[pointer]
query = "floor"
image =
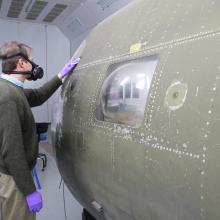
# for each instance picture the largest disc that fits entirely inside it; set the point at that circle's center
(53, 202)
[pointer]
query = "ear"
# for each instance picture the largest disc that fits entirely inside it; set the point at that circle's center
(20, 63)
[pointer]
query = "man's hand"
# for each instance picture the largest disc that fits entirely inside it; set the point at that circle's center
(34, 202)
(68, 68)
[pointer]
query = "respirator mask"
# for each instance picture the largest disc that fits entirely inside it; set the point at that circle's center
(37, 72)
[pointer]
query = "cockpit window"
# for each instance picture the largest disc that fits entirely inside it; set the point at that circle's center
(124, 93)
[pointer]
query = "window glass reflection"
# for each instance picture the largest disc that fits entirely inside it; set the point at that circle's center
(124, 93)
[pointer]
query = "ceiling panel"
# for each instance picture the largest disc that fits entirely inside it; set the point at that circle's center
(75, 25)
(73, 17)
(105, 3)
(55, 12)
(15, 8)
(36, 9)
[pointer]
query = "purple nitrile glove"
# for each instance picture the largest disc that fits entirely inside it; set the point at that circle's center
(34, 202)
(69, 67)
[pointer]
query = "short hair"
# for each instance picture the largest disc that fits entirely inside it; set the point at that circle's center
(9, 49)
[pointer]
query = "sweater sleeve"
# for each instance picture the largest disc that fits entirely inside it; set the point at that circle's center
(37, 97)
(12, 148)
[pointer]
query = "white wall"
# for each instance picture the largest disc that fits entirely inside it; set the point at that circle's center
(51, 50)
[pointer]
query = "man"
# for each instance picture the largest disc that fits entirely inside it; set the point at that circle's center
(19, 199)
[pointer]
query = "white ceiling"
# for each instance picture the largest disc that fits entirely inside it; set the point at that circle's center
(73, 17)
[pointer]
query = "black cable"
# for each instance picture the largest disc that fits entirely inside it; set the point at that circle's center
(64, 202)
(61, 180)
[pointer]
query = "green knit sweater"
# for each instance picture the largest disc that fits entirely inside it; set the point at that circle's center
(18, 138)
